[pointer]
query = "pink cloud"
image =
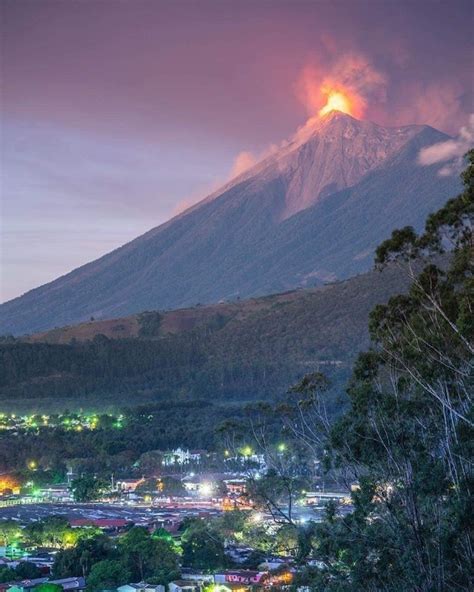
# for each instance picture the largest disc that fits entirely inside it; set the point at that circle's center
(450, 152)
(243, 161)
(439, 104)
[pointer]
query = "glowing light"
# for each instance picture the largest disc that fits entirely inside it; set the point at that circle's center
(247, 451)
(206, 489)
(281, 447)
(32, 465)
(337, 101)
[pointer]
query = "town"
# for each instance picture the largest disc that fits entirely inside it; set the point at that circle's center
(214, 529)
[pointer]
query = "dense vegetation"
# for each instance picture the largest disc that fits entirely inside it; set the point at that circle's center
(407, 437)
(242, 351)
(110, 449)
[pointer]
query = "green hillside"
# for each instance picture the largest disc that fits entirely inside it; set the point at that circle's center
(230, 352)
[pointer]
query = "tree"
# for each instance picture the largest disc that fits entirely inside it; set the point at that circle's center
(149, 556)
(10, 532)
(171, 486)
(107, 575)
(135, 548)
(87, 488)
(83, 556)
(7, 574)
(203, 548)
(48, 587)
(55, 529)
(26, 569)
(231, 525)
(407, 437)
(164, 566)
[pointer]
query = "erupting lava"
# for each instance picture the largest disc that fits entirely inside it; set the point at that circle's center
(337, 101)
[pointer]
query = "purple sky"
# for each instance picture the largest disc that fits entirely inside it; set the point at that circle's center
(116, 113)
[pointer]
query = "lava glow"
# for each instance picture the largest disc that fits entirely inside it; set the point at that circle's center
(336, 101)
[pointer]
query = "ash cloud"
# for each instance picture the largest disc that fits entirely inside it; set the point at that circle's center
(353, 74)
(451, 152)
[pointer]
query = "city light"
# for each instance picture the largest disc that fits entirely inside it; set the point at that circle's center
(257, 517)
(206, 489)
(246, 451)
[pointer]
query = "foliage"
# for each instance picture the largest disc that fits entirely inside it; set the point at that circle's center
(262, 348)
(407, 438)
(49, 587)
(203, 547)
(171, 486)
(107, 575)
(149, 557)
(87, 488)
(7, 574)
(83, 556)
(54, 531)
(150, 323)
(9, 531)
(26, 569)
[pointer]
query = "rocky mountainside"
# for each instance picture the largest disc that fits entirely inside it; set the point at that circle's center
(311, 212)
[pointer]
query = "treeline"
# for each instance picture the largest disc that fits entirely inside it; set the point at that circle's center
(183, 368)
(109, 449)
(255, 353)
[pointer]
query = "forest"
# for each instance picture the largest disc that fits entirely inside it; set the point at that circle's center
(241, 352)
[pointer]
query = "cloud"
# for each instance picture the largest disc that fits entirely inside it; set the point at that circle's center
(451, 151)
(439, 104)
(243, 161)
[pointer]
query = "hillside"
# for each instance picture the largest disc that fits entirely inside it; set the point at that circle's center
(227, 352)
(311, 212)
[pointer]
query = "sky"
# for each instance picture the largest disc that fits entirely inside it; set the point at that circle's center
(118, 114)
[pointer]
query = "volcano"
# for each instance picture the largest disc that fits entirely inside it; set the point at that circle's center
(311, 212)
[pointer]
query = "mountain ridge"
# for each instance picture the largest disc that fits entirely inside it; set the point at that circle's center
(240, 242)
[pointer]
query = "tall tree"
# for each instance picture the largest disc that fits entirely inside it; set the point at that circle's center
(407, 438)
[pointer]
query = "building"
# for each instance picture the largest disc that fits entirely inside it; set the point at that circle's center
(129, 485)
(70, 583)
(58, 493)
(197, 576)
(140, 587)
(244, 576)
(25, 585)
(107, 524)
(181, 457)
(236, 487)
(183, 586)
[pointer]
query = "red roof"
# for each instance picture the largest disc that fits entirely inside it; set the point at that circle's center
(100, 522)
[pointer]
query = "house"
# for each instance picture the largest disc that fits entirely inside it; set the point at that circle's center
(26, 585)
(108, 524)
(183, 586)
(43, 561)
(182, 457)
(66, 583)
(235, 487)
(242, 576)
(197, 576)
(78, 583)
(141, 587)
(58, 493)
(129, 485)
(238, 554)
